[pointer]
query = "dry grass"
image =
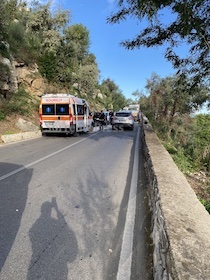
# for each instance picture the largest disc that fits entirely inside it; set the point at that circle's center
(201, 188)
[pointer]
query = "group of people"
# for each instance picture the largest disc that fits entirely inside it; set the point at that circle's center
(103, 119)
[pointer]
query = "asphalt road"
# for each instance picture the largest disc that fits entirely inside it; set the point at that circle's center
(74, 208)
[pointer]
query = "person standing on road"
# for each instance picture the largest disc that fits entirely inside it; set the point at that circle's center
(102, 120)
(111, 116)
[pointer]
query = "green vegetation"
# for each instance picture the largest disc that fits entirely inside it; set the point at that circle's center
(170, 102)
(170, 105)
(20, 103)
(188, 24)
(36, 35)
(206, 204)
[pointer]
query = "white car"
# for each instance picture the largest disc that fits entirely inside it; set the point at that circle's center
(123, 119)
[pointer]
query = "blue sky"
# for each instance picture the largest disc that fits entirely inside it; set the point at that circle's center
(129, 69)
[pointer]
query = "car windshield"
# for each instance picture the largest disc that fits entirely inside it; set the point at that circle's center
(123, 114)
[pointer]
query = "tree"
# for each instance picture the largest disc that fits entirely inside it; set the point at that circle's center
(75, 65)
(76, 38)
(172, 95)
(6, 13)
(113, 96)
(201, 138)
(189, 23)
(119, 100)
(47, 28)
(47, 66)
(87, 80)
(73, 49)
(137, 95)
(108, 87)
(11, 30)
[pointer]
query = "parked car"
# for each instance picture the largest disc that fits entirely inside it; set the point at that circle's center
(123, 119)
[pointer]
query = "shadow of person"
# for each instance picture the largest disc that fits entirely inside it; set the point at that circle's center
(13, 197)
(54, 245)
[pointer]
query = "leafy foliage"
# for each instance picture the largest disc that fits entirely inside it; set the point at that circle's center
(36, 35)
(115, 100)
(47, 66)
(189, 24)
(87, 79)
(206, 204)
(169, 106)
(46, 27)
(173, 95)
(202, 140)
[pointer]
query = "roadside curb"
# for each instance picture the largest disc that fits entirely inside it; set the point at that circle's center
(10, 138)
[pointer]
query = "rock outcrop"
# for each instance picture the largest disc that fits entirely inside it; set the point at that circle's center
(24, 125)
(16, 74)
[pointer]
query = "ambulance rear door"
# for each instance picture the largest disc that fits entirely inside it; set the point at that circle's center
(55, 113)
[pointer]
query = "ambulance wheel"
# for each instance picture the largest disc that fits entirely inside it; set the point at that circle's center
(75, 134)
(91, 129)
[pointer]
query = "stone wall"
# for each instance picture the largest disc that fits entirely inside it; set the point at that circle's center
(180, 223)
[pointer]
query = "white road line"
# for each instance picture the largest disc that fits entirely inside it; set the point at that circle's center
(124, 268)
(41, 159)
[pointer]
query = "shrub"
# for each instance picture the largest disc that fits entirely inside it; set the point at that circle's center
(18, 103)
(47, 66)
(2, 115)
(206, 204)
(183, 162)
(170, 148)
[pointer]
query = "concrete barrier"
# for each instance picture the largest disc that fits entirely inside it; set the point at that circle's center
(180, 223)
(9, 138)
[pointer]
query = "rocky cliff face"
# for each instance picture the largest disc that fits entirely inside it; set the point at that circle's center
(20, 74)
(8, 80)
(30, 78)
(26, 76)
(14, 74)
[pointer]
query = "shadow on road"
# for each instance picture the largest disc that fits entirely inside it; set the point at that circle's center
(13, 196)
(54, 244)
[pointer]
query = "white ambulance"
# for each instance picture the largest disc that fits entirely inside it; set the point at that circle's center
(64, 113)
